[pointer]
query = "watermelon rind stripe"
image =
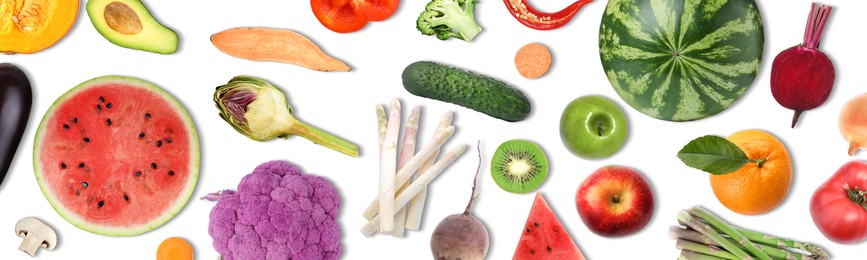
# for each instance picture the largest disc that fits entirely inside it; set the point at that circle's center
(157, 222)
(681, 60)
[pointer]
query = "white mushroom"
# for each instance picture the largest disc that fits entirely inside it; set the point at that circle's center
(36, 234)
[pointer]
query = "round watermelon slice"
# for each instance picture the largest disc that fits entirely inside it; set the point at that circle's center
(116, 156)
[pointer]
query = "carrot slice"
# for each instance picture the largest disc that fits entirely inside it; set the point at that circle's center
(175, 248)
(275, 45)
(533, 60)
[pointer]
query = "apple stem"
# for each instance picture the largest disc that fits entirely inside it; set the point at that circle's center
(600, 128)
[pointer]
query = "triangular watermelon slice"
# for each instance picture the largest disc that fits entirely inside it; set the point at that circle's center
(544, 237)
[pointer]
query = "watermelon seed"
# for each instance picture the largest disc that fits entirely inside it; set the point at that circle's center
(77, 192)
(141, 135)
(86, 140)
(98, 107)
(154, 165)
(171, 173)
(528, 230)
(125, 197)
(532, 251)
(62, 166)
(65, 126)
(101, 203)
(108, 105)
(108, 122)
(549, 248)
(84, 184)
(536, 224)
(74, 120)
(159, 143)
(168, 140)
(81, 165)
(137, 173)
(147, 115)
(101, 99)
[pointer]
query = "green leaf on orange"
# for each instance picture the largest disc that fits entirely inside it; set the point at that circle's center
(713, 154)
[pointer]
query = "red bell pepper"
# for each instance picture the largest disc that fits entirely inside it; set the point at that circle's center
(346, 16)
(532, 18)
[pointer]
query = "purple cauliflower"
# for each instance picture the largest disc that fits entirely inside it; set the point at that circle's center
(277, 213)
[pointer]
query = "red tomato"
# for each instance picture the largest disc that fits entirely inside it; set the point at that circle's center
(346, 16)
(838, 206)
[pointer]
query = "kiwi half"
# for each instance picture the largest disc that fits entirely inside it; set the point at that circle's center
(519, 166)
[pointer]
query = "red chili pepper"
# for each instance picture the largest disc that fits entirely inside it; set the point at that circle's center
(532, 18)
(346, 16)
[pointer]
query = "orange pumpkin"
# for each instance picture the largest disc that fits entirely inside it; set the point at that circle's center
(33, 25)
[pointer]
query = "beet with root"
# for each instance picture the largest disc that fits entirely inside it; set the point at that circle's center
(461, 236)
(802, 76)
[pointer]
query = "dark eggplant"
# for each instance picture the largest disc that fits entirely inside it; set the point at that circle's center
(16, 98)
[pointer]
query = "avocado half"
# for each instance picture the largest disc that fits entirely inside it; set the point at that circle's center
(127, 23)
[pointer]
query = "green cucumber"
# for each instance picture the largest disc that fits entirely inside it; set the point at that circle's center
(465, 88)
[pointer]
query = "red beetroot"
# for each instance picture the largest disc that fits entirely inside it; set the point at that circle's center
(461, 236)
(802, 76)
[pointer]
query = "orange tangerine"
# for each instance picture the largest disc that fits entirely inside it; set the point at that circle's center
(755, 188)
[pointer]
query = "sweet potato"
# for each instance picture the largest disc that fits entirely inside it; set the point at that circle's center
(275, 45)
(533, 60)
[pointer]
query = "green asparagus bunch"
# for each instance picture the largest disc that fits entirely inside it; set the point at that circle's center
(705, 236)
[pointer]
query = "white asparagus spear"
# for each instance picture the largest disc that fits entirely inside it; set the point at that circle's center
(387, 168)
(415, 209)
(405, 173)
(407, 150)
(381, 124)
(400, 202)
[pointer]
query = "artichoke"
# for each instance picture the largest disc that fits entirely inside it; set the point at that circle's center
(259, 110)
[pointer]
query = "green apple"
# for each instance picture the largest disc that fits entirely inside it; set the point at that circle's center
(593, 127)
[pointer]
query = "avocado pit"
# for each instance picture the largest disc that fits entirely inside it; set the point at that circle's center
(122, 19)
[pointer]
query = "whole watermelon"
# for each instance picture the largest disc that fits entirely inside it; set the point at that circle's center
(681, 60)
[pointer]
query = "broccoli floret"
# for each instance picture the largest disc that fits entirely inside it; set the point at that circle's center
(449, 19)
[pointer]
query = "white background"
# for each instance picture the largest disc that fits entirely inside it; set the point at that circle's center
(343, 104)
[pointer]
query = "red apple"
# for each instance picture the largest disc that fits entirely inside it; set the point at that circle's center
(615, 201)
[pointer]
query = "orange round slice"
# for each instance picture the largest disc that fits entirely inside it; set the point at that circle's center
(533, 60)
